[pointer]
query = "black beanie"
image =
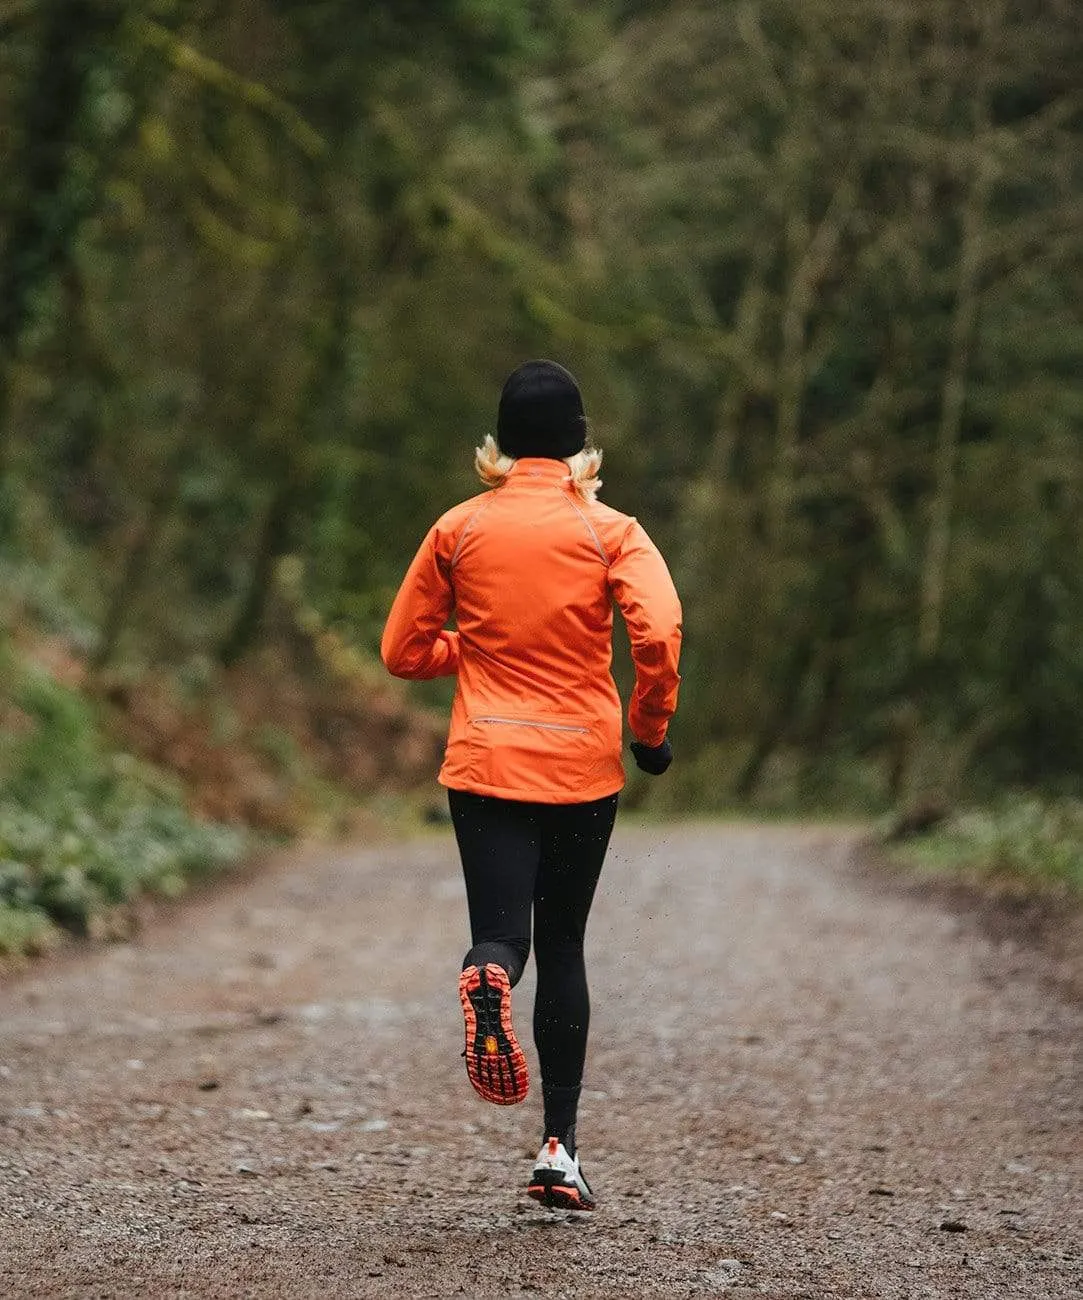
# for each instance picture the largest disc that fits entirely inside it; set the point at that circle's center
(541, 412)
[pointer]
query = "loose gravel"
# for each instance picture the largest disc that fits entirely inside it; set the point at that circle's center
(800, 1086)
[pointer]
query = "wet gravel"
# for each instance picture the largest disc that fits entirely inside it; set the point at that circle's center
(800, 1086)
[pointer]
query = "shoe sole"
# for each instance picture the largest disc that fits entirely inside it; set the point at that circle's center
(551, 1190)
(494, 1060)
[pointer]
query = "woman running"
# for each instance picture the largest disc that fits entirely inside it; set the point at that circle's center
(530, 570)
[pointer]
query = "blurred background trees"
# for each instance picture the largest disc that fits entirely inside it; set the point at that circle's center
(265, 263)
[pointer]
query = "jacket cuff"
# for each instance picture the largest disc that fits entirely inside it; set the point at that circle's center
(652, 737)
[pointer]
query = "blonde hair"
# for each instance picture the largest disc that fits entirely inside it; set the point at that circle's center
(494, 467)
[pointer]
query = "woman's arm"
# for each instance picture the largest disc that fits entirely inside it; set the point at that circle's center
(647, 598)
(415, 644)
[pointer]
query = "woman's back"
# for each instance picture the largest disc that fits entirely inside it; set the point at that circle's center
(532, 600)
(531, 569)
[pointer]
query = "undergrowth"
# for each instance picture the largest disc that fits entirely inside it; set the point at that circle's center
(83, 829)
(1025, 842)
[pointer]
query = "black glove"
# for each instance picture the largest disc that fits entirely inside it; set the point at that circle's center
(652, 758)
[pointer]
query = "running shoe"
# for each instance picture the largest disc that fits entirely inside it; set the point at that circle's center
(557, 1180)
(494, 1060)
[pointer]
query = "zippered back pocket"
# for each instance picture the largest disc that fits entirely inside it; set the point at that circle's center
(528, 754)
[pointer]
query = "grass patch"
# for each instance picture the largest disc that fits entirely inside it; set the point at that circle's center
(1026, 842)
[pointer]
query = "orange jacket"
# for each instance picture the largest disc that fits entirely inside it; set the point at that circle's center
(530, 571)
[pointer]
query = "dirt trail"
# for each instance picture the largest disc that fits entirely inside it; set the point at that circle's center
(800, 1086)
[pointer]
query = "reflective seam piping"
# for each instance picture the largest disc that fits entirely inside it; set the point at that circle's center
(466, 529)
(590, 529)
(522, 722)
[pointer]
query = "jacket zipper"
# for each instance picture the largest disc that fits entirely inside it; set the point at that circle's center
(522, 722)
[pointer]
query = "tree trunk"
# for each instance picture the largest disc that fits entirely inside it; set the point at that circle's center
(810, 255)
(953, 391)
(843, 608)
(48, 208)
(328, 364)
(128, 589)
(273, 544)
(953, 399)
(780, 721)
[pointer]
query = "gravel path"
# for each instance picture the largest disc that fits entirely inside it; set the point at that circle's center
(800, 1086)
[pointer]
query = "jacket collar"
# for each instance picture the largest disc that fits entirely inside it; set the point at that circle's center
(538, 470)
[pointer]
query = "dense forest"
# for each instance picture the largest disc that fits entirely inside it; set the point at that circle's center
(816, 264)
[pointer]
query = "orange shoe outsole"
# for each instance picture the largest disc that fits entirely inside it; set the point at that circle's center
(494, 1060)
(558, 1198)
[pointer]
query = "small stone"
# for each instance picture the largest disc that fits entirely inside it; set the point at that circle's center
(953, 1225)
(208, 1085)
(881, 1191)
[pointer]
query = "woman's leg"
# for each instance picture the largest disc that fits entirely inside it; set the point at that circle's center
(500, 850)
(500, 846)
(575, 838)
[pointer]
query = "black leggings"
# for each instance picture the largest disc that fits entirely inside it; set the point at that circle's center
(546, 856)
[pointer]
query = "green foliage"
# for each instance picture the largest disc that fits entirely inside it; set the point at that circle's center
(83, 830)
(75, 857)
(24, 930)
(1024, 841)
(815, 264)
(60, 751)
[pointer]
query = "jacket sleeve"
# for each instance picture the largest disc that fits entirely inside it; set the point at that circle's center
(415, 644)
(644, 592)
